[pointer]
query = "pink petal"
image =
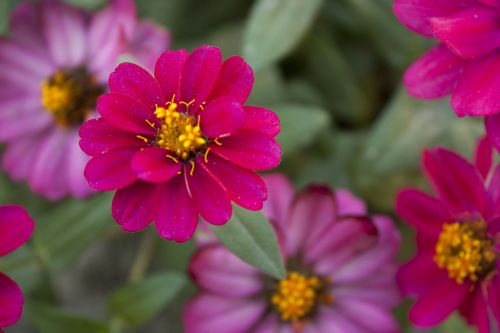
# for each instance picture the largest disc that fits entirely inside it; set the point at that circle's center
(168, 71)
(493, 3)
(199, 74)
(219, 272)
(492, 126)
(244, 187)
(235, 80)
(271, 323)
(148, 42)
(16, 55)
(457, 183)
(331, 320)
(16, 227)
(153, 165)
(349, 204)
(134, 81)
(483, 156)
(19, 156)
(371, 316)
(23, 118)
(133, 206)
(207, 313)
(415, 14)
(413, 277)
(250, 150)
(65, 33)
(478, 90)
(112, 170)
(126, 113)
(176, 214)
(494, 193)
(437, 303)
(98, 136)
(470, 33)
(475, 310)
(279, 199)
(77, 160)
(435, 74)
(313, 210)
(11, 301)
(422, 211)
(221, 116)
(261, 120)
(208, 194)
(494, 299)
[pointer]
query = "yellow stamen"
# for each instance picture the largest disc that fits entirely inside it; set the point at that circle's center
(217, 142)
(465, 251)
(142, 138)
(192, 168)
(172, 158)
(205, 157)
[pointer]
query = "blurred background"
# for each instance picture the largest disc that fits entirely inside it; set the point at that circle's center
(332, 71)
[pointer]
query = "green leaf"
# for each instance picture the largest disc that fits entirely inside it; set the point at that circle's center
(299, 125)
(87, 4)
(23, 266)
(275, 27)
(138, 302)
(250, 236)
(46, 319)
(456, 324)
(6, 7)
(70, 227)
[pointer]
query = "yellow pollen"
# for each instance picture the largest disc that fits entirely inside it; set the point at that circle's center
(179, 132)
(296, 296)
(465, 251)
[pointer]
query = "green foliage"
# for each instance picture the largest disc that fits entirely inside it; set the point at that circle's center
(251, 237)
(6, 6)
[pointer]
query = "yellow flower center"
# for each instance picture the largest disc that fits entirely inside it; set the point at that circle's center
(180, 133)
(465, 250)
(296, 296)
(70, 95)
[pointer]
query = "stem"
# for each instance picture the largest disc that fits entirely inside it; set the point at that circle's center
(144, 256)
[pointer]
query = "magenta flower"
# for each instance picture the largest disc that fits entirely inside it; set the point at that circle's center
(16, 227)
(180, 144)
(466, 64)
(341, 271)
(456, 266)
(52, 69)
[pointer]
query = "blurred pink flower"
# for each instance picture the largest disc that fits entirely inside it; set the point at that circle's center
(180, 143)
(341, 271)
(52, 69)
(456, 266)
(16, 227)
(466, 64)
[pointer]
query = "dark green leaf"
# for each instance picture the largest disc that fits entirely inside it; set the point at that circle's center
(6, 7)
(250, 236)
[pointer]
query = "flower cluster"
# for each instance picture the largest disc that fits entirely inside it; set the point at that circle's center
(340, 270)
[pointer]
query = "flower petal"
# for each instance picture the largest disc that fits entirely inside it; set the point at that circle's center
(279, 199)
(176, 215)
(244, 187)
(199, 74)
(219, 272)
(435, 74)
(133, 206)
(415, 14)
(457, 183)
(261, 120)
(134, 81)
(494, 299)
(16, 227)
(168, 71)
(250, 150)
(475, 310)
(153, 165)
(112, 170)
(349, 204)
(470, 33)
(413, 276)
(483, 156)
(207, 313)
(492, 126)
(98, 137)
(372, 317)
(11, 301)
(221, 116)
(478, 90)
(77, 160)
(148, 42)
(208, 194)
(235, 80)
(126, 113)
(422, 211)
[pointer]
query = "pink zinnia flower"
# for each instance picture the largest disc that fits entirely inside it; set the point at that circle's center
(16, 228)
(340, 265)
(456, 266)
(52, 69)
(180, 143)
(466, 64)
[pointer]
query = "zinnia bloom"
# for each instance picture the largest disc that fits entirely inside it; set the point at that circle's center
(180, 143)
(16, 227)
(456, 266)
(52, 69)
(466, 64)
(340, 265)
